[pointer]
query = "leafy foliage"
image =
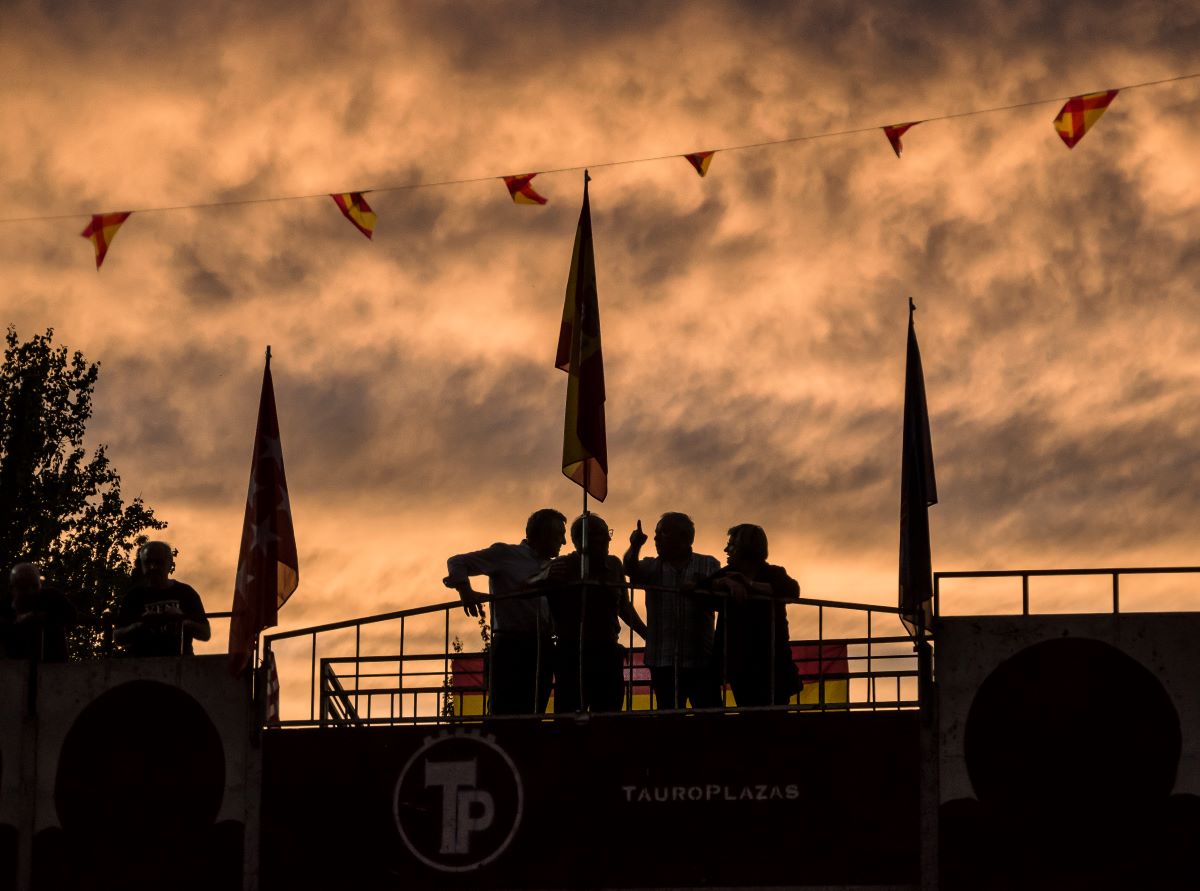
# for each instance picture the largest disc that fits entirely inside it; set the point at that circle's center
(58, 507)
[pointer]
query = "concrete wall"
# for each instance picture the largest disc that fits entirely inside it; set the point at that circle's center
(74, 698)
(969, 649)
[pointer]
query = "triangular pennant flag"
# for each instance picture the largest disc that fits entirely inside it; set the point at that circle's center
(357, 211)
(102, 229)
(520, 189)
(1080, 114)
(894, 132)
(700, 160)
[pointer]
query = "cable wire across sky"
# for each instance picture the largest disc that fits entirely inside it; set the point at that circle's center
(787, 140)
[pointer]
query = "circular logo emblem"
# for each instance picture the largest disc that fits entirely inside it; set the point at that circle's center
(458, 802)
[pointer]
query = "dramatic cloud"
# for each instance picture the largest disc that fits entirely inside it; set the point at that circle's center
(754, 320)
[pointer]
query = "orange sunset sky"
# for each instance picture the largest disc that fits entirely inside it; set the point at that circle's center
(753, 321)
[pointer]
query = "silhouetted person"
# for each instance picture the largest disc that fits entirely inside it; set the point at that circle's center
(160, 616)
(34, 618)
(752, 642)
(522, 651)
(589, 661)
(679, 642)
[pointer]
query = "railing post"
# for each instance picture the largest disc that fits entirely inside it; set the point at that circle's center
(870, 677)
(324, 699)
(1024, 593)
(445, 666)
(312, 684)
(821, 657)
(1116, 592)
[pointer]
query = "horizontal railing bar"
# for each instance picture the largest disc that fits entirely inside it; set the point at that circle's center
(478, 654)
(537, 592)
(477, 688)
(814, 707)
(1018, 573)
(366, 620)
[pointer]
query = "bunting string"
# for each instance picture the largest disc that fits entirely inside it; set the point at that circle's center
(1076, 117)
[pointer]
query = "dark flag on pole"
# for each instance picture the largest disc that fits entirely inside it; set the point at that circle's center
(918, 491)
(585, 448)
(268, 569)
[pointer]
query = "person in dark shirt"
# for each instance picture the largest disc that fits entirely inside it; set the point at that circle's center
(34, 619)
(752, 642)
(589, 663)
(160, 616)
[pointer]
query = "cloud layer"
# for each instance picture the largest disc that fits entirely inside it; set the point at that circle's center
(754, 321)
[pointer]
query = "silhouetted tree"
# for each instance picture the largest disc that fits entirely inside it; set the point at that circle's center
(58, 507)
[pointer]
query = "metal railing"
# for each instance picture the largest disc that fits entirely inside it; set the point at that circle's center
(1115, 573)
(400, 666)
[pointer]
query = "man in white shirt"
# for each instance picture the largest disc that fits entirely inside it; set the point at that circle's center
(680, 641)
(521, 654)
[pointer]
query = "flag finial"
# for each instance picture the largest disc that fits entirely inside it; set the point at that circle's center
(268, 354)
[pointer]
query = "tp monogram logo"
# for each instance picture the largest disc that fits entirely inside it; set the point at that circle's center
(458, 802)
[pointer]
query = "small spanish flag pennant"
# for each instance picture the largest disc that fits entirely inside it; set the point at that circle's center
(102, 230)
(700, 160)
(355, 208)
(894, 132)
(1080, 114)
(520, 189)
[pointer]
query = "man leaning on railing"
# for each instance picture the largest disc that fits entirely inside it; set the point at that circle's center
(752, 640)
(34, 618)
(160, 616)
(520, 658)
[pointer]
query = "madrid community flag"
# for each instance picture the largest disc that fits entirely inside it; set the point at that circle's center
(1080, 114)
(520, 189)
(700, 160)
(268, 569)
(102, 230)
(585, 446)
(894, 132)
(918, 492)
(355, 208)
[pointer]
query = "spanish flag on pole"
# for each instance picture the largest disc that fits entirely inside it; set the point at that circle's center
(585, 448)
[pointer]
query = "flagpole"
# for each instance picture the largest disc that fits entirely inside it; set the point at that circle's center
(583, 562)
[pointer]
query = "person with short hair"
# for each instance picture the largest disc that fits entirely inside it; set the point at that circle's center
(160, 616)
(589, 661)
(752, 643)
(521, 656)
(34, 618)
(679, 642)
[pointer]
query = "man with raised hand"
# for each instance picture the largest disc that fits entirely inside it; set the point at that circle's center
(680, 639)
(521, 654)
